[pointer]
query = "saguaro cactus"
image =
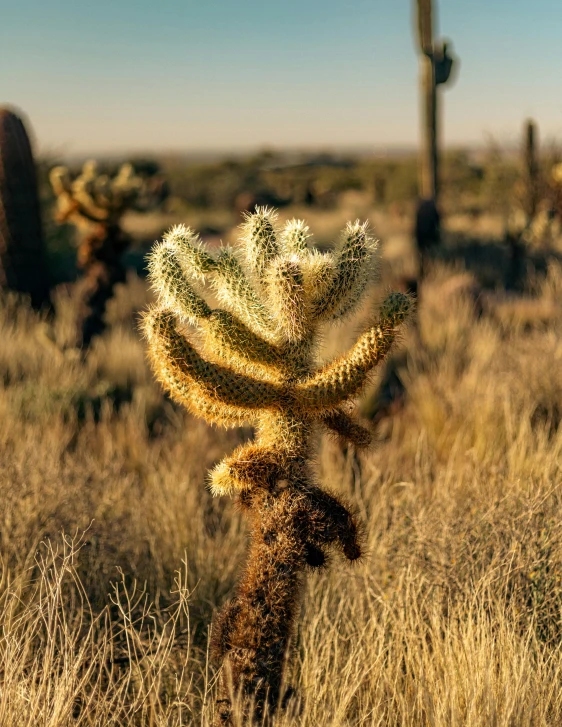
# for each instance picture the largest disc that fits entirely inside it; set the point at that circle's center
(95, 203)
(23, 266)
(255, 364)
(531, 192)
(436, 64)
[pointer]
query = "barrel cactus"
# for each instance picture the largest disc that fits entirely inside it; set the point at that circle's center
(23, 266)
(254, 363)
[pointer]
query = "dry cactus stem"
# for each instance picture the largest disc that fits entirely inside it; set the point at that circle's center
(95, 204)
(253, 362)
(23, 265)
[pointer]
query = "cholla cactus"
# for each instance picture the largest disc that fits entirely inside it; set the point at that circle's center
(95, 204)
(254, 363)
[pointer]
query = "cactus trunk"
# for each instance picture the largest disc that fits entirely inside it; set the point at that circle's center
(23, 266)
(435, 70)
(429, 166)
(100, 257)
(252, 634)
(428, 95)
(531, 171)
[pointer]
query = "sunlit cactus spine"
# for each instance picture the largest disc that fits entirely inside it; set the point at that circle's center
(23, 265)
(253, 362)
(95, 203)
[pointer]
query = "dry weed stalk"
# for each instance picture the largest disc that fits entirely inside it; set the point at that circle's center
(256, 365)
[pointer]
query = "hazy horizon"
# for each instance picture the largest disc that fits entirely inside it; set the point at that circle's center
(186, 77)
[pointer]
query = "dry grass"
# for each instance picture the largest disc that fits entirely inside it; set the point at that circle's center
(114, 556)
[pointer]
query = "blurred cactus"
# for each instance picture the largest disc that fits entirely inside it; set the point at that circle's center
(436, 64)
(531, 196)
(95, 204)
(23, 266)
(256, 365)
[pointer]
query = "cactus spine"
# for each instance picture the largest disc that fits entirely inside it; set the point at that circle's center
(254, 364)
(95, 204)
(23, 266)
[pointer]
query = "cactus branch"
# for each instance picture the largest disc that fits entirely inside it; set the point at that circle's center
(259, 236)
(294, 237)
(234, 290)
(232, 341)
(345, 377)
(172, 288)
(345, 427)
(285, 286)
(351, 275)
(217, 383)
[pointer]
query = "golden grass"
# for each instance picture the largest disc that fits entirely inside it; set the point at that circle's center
(114, 556)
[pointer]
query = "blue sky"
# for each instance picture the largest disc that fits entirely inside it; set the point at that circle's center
(114, 75)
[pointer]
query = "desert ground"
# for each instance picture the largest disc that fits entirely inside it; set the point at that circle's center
(114, 556)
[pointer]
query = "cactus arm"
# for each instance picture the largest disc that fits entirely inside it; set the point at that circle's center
(192, 398)
(226, 336)
(234, 290)
(294, 236)
(59, 178)
(250, 465)
(286, 295)
(192, 257)
(319, 270)
(220, 384)
(229, 339)
(351, 275)
(329, 522)
(340, 423)
(182, 389)
(259, 240)
(87, 205)
(260, 464)
(67, 205)
(173, 290)
(346, 376)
